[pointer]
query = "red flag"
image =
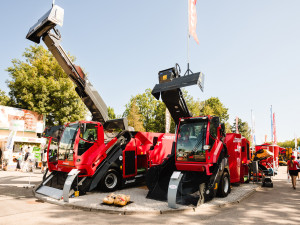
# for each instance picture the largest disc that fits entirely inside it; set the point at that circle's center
(193, 19)
(274, 129)
(266, 136)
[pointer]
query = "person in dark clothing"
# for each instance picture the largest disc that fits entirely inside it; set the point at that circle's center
(0, 155)
(292, 169)
(26, 155)
(15, 160)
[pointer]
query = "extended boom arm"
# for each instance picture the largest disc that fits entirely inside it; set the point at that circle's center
(85, 89)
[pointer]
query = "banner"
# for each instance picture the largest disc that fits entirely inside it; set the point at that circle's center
(236, 125)
(193, 19)
(20, 120)
(10, 141)
(274, 129)
(253, 138)
(168, 121)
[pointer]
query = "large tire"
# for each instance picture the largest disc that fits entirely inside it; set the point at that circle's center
(224, 187)
(111, 181)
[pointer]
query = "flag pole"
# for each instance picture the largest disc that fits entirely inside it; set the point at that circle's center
(188, 45)
(188, 40)
(272, 139)
(252, 139)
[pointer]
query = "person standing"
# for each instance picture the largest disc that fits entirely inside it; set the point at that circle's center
(292, 169)
(44, 160)
(5, 159)
(26, 161)
(0, 156)
(298, 160)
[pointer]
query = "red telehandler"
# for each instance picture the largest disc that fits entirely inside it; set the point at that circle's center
(203, 158)
(84, 155)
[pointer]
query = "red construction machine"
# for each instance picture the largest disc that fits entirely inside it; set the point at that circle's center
(203, 158)
(84, 155)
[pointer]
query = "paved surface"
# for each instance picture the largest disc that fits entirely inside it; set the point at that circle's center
(140, 204)
(278, 205)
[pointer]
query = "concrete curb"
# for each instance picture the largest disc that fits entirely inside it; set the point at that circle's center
(154, 212)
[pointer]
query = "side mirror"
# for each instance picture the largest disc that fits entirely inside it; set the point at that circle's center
(82, 128)
(223, 133)
(155, 139)
(215, 121)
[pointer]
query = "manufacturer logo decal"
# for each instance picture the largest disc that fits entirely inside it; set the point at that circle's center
(172, 186)
(129, 181)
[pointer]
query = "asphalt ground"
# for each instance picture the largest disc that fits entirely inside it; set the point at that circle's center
(278, 205)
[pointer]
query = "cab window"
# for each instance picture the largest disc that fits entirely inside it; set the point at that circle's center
(88, 135)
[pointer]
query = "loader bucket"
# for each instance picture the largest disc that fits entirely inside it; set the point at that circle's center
(59, 185)
(158, 180)
(158, 177)
(179, 82)
(53, 17)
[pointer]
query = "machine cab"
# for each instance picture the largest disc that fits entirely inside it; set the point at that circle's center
(67, 147)
(191, 138)
(197, 140)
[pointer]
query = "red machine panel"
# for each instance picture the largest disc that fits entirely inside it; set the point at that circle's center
(233, 142)
(245, 159)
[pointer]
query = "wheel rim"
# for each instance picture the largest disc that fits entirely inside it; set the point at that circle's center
(111, 180)
(226, 184)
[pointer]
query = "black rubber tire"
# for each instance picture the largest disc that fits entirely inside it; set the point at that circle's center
(110, 181)
(224, 187)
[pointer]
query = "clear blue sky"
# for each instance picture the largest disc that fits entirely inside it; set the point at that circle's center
(249, 50)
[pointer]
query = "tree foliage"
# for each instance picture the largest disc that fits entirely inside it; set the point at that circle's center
(228, 128)
(214, 107)
(153, 111)
(40, 84)
(4, 99)
(111, 113)
(146, 105)
(243, 128)
(134, 117)
(289, 143)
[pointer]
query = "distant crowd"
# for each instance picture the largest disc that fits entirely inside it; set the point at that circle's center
(24, 162)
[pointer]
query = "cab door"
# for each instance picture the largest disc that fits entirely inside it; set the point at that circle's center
(52, 159)
(66, 146)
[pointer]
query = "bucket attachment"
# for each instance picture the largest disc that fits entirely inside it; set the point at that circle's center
(158, 177)
(178, 82)
(58, 185)
(169, 90)
(53, 17)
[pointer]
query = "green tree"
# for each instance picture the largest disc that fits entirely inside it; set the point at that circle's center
(39, 84)
(147, 105)
(228, 128)
(4, 99)
(111, 113)
(289, 143)
(214, 107)
(193, 105)
(134, 117)
(243, 128)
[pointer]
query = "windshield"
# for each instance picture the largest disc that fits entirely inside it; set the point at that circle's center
(190, 140)
(66, 144)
